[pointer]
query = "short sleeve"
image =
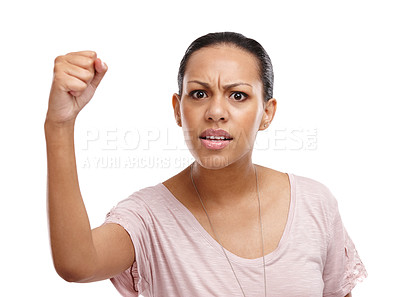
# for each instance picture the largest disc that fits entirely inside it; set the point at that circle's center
(343, 267)
(132, 215)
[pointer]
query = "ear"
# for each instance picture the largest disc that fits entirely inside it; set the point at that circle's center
(268, 114)
(176, 103)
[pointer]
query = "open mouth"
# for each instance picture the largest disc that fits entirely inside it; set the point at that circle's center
(216, 138)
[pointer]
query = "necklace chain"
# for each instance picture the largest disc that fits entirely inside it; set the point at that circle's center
(212, 227)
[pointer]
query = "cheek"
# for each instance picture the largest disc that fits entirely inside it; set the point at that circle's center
(251, 128)
(191, 113)
(247, 118)
(191, 119)
(187, 113)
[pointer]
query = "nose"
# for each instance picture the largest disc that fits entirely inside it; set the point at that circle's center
(217, 109)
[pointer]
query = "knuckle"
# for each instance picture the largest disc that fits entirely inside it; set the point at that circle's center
(87, 75)
(59, 67)
(60, 81)
(58, 59)
(92, 54)
(56, 80)
(58, 76)
(56, 68)
(88, 62)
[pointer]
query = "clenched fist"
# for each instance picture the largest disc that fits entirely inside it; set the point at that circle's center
(76, 77)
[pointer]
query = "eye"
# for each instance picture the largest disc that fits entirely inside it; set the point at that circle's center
(239, 96)
(198, 94)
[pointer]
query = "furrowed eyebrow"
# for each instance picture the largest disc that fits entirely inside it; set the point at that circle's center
(206, 85)
(229, 86)
(237, 84)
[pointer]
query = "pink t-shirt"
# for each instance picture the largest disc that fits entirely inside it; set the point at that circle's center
(175, 255)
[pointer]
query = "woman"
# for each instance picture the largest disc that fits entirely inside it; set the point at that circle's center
(204, 231)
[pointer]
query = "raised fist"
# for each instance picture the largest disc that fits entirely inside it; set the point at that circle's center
(76, 77)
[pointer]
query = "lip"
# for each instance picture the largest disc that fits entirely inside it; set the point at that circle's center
(215, 144)
(215, 132)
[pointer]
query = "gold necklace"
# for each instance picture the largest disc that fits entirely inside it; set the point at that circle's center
(262, 236)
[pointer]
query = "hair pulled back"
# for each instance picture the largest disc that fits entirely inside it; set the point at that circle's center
(240, 41)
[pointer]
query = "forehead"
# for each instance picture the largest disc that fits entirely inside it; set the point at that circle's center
(222, 62)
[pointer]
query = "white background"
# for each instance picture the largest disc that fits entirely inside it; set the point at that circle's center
(336, 79)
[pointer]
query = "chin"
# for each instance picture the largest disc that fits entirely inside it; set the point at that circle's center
(213, 162)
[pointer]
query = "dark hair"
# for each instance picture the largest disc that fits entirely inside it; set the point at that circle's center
(240, 41)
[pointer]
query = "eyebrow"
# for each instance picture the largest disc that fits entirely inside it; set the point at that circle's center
(206, 85)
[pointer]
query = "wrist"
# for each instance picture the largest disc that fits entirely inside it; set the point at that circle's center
(50, 123)
(59, 133)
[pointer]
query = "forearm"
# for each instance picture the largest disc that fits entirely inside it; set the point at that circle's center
(70, 233)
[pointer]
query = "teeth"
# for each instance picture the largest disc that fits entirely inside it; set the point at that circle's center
(215, 137)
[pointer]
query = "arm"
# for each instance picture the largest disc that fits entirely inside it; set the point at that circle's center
(79, 253)
(348, 295)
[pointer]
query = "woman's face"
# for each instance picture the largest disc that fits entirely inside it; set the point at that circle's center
(222, 91)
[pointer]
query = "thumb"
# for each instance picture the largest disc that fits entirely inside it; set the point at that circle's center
(100, 70)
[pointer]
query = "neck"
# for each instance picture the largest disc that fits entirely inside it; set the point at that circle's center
(225, 187)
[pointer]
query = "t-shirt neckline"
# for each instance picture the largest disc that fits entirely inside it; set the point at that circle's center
(233, 257)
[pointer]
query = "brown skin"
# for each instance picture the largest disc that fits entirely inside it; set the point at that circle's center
(222, 89)
(227, 174)
(79, 253)
(82, 254)
(215, 76)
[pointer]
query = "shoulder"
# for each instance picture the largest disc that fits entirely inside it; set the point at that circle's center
(314, 189)
(305, 188)
(143, 201)
(315, 197)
